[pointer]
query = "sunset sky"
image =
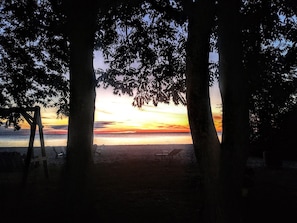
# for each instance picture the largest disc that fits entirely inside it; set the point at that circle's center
(115, 114)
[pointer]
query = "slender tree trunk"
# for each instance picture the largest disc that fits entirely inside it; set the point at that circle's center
(233, 86)
(204, 135)
(79, 164)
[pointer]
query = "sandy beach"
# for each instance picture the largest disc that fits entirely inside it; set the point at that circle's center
(117, 153)
(134, 185)
(123, 153)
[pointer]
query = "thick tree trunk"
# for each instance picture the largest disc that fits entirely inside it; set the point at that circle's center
(233, 86)
(204, 135)
(79, 164)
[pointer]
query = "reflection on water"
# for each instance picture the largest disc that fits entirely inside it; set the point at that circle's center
(143, 139)
(107, 139)
(15, 140)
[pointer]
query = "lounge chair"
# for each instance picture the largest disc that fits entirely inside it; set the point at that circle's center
(169, 155)
(59, 154)
(97, 150)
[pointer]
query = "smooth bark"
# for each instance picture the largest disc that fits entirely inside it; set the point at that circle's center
(79, 164)
(205, 139)
(233, 86)
(222, 166)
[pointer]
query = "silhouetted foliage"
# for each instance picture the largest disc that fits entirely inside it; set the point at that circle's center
(147, 59)
(10, 118)
(33, 55)
(145, 48)
(269, 31)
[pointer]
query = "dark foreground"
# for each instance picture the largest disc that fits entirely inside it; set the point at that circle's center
(135, 191)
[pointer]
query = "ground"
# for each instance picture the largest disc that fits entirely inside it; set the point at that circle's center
(144, 191)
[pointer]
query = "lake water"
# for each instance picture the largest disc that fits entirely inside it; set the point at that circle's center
(22, 140)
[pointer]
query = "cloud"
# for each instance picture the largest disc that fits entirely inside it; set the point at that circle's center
(218, 122)
(10, 131)
(58, 127)
(62, 129)
(176, 126)
(104, 111)
(48, 117)
(103, 124)
(173, 128)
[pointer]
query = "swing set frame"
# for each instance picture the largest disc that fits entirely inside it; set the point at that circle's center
(33, 118)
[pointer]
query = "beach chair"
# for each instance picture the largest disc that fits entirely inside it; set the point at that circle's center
(168, 155)
(59, 154)
(97, 150)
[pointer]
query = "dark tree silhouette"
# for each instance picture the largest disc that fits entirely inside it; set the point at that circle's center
(234, 90)
(52, 35)
(270, 61)
(205, 140)
(222, 164)
(150, 36)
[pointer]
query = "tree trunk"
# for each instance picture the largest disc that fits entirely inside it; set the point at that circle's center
(79, 164)
(233, 86)
(204, 135)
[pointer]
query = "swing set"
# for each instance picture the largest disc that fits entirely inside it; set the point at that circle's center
(32, 116)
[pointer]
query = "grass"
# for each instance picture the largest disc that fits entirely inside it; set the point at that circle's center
(143, 191)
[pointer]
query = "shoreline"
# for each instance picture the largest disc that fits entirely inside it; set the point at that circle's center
(116, 153)
(126, 153)
(107, 139)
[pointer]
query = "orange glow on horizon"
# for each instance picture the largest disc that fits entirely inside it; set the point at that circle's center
(139, 131)
(217, 122)
(53, 126)
(115, 114)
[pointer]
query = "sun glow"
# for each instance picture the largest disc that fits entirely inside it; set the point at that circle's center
(115, 114)
(122, 116)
